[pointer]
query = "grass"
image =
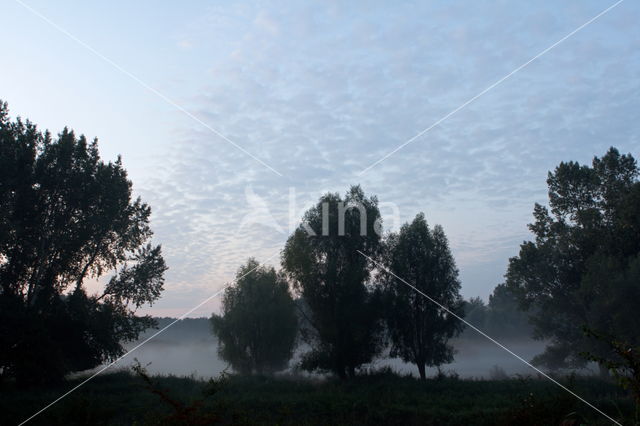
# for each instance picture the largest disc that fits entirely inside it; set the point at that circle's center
(123, 398)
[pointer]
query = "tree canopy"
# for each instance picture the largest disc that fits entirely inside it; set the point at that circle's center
(500, 318)
(66, 217)
(258, 327)
(582, 269)
(418, 328)
(323, 261)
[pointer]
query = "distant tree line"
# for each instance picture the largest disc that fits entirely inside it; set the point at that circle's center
(501, 318)
(181, 331)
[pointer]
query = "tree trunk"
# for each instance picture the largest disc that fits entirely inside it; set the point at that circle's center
(422, 371)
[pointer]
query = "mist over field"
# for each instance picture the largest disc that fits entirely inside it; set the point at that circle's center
(191, 349)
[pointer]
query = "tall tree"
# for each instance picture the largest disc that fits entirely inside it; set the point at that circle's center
(477, 312)
(322, 258)
(579, 272)
(504, 316)
(66, 216)
(258, 327)
(418, 328)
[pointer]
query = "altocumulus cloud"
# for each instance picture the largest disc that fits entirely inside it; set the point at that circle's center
(319, 91)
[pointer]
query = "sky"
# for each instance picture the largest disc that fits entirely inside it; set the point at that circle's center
(232, 118)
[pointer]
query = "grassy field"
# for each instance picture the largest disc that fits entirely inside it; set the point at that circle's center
(123, 398)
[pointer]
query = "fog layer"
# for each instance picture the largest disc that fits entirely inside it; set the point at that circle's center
(189, 348)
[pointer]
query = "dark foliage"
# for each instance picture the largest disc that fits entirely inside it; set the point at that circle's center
(182, 413)
(623, 362)
(501, 318)
(258, 327)
(418, 328)
(379, 398)
(66, 217)
(583, 269)
(322, 259)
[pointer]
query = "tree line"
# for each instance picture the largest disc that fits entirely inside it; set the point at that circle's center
(500, 318)
(68, 217)
(347, 311)
(576, 286)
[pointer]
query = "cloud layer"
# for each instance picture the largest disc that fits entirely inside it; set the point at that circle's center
(321, 91)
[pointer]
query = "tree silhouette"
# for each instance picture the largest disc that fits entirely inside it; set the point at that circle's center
(66, 216)
(582, 268)
(258, 327)
(321, 257)
(418, 328)
(504, 316)
(477, 312)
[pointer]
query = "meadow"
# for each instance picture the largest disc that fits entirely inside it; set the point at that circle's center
(381, 397)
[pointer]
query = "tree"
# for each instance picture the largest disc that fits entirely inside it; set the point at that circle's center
(504, 316)
(477, 312)
(258, 327)
(324, 261)
(578, 273)
(625, 365)
(66, 216)
(418, 328)
(500, 318)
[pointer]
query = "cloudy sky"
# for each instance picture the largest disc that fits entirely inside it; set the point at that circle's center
(233, 117)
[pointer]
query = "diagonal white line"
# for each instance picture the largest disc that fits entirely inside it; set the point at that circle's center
(214, 295)
(444, 308)
(143, 84)
(489, 88)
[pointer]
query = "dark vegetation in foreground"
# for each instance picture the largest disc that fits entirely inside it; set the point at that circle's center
(374, 398)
